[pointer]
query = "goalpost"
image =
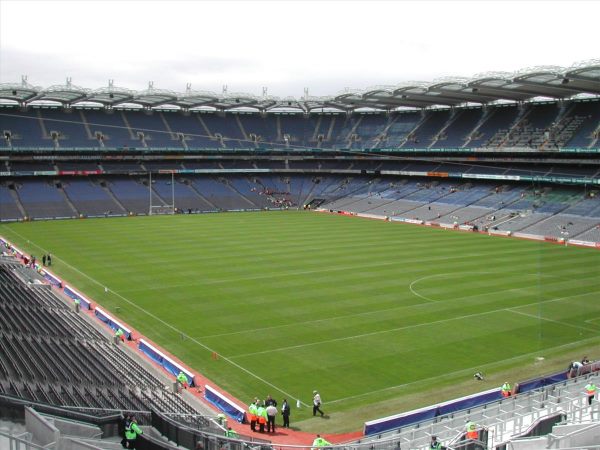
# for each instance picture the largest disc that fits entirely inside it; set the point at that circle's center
(162, 207)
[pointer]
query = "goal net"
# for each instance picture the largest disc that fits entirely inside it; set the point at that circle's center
(157, 204)
(161, 209)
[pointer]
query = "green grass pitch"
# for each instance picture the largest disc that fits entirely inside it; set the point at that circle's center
(379, 317)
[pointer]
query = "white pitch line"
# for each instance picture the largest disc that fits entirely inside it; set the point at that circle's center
(446, 374)
(367, 313)
(168, 325)
(441, 275)
(301, 272)
(358, 336)
(551, 320)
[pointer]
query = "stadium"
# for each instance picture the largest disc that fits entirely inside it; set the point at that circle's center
(404, 250)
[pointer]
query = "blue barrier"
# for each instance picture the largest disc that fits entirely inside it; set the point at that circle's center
(412, 417)
(160, 358)
(51, 278)
(72, 293)
(224, 404)
(111, 322)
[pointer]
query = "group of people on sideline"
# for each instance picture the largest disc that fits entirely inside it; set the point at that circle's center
(262, 414)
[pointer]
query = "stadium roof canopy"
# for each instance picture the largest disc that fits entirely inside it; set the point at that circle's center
(546, 81)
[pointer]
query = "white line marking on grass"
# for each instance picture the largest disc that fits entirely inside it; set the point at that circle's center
(416, 293)
(337, 268)
(366, 313)
(577, 327)
(446, 374)
(168, 325)
(358, 336)
(441, 275)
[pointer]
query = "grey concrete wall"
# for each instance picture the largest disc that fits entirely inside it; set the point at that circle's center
(72, 428)
(44, 433)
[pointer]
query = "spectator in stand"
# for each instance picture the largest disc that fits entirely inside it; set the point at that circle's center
(573, 369)
(132, 432)
(125, 424)
(471, 429)
(590, 391)
(435, 444)
(585, 360)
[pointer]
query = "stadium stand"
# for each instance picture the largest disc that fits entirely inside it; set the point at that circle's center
(489, 157)
(41, 337)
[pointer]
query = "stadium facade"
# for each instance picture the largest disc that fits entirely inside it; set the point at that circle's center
(501, 153)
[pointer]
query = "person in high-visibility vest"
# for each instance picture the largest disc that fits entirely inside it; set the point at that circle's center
(472, 430)
(252, 411)
(435, 444)
(590, 390)
(320, 442)
(506, 389)
(231, 433)
(182, 379)
(132, 432)
(119, 336)
(261, 417)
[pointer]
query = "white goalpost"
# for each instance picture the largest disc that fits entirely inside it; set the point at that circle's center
(161, 207)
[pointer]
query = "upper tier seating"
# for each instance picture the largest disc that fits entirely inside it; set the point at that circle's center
(540, 126)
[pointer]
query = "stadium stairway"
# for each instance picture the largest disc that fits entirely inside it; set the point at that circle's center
(68, 201)
(232, 188)
(15, 196)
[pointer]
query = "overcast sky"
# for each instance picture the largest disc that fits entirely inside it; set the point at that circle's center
(286, 45)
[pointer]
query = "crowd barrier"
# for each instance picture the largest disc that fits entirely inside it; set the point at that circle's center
(72, 293)
(431, 412)
(584, 243)
(164, 361)
(50, 278)
(224, 404)
(112, 322)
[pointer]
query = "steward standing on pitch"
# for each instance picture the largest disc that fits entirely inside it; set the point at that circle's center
(317, 403)
(252, 413)
(261, 417)
(285, 412)
(271, 414)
